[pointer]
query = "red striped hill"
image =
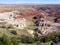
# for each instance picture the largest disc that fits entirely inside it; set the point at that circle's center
(25, 13)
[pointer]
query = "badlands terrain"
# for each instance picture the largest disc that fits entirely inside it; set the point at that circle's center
(29, 20)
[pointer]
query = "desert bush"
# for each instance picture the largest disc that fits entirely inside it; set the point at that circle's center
(3, 27)
(43, 39)
(10, 26)
(27, 39)
(37, 39)
(15, 41)
(13, 32)
(5, 40)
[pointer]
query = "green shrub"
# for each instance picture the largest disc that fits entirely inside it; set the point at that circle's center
(37, 39)
(43, 39)
(5, 40)
(15, 41)
(27, 39)
(13, 32)
(48, 38)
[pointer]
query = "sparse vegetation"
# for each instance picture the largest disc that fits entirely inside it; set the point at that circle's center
(6, 27)
(5, 40)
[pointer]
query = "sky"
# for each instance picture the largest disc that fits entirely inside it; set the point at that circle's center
(29, 1)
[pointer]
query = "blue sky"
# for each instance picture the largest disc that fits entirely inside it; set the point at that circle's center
(30, 1)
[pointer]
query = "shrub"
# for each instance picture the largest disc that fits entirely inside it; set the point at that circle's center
(15, 41)
(3, 27)
(49, 38)
(43, 39)
(5, 40)
(13, 32)
(37, 39)
(27, 39)
(9, 26)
